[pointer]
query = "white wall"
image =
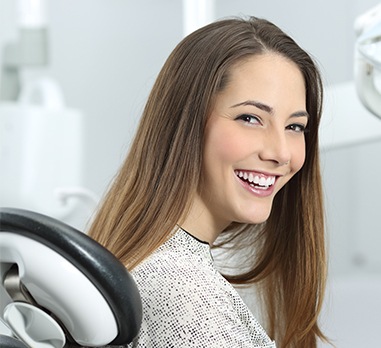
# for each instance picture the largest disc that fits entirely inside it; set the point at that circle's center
(353, 210)
(106, 54)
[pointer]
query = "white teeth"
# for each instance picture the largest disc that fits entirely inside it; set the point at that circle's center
(256, 179)
(262, 181)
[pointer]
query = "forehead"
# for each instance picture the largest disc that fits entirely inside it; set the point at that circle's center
(269, 77)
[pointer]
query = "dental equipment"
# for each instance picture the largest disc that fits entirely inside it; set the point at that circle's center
(30, 51)
(368, 59)
(58, 287)
(41, 138)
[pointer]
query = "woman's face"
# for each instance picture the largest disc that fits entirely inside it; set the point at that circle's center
(254, 142)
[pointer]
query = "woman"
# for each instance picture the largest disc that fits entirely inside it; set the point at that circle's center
(227, 148)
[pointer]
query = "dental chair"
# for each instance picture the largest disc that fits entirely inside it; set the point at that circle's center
(60, 288)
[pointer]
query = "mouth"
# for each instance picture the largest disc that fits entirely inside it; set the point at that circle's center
(256, 180)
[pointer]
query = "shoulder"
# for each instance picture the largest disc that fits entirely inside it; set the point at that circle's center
(170, 270)
(179, 258)
(186, 302)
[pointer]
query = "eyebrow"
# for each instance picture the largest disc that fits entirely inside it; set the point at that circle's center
(269, 109)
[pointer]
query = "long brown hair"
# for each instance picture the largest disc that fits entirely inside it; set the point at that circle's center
(153, 189)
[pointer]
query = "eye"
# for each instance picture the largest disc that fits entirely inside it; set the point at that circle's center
(297, 127)
(251, 119)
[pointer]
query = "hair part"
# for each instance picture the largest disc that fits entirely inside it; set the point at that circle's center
(153, 189)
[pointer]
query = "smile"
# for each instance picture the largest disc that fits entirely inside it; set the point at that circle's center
(259, 181)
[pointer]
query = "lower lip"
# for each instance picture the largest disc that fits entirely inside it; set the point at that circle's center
(257, 191)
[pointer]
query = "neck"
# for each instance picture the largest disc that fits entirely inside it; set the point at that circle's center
(201, 224)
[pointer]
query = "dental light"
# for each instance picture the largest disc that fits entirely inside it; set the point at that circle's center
(368, 59)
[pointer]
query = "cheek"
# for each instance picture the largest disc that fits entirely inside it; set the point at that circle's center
(223, 146)
(298, 157)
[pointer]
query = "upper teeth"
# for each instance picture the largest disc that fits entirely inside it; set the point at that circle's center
(256, 179)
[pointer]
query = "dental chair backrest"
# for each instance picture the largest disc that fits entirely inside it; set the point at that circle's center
(60, 288)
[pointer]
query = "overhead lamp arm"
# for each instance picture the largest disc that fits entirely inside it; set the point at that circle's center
(368, 59)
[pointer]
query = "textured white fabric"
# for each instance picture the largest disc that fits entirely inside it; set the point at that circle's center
(187, 303)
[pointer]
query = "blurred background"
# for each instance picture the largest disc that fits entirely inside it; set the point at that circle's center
(74, 80)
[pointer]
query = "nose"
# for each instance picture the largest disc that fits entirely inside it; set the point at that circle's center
(275, 147)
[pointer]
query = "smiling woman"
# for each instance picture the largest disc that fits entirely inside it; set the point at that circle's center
(226, 151)
(259, 139)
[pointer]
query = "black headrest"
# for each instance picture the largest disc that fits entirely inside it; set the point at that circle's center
(101, 267)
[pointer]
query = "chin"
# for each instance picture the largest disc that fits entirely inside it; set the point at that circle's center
(255, 220)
